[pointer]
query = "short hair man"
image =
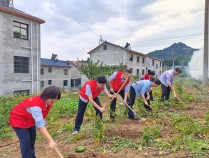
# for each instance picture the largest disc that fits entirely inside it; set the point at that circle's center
(142, 88)
(89, 92)
(116, 80)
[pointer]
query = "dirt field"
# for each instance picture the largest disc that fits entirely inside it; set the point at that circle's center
(124, 128)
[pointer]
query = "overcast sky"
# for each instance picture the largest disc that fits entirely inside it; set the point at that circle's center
(73, 27)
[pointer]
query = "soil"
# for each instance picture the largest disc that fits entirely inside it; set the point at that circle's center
(128, 129)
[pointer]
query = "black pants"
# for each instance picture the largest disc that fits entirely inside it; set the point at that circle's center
(165, 92)
(133, 96)
(81, 110)
(113, 103)
(131, 102)
(27, 138)
(150, 94)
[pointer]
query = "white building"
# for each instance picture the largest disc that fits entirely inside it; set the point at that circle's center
(19, 51)
(111, 54)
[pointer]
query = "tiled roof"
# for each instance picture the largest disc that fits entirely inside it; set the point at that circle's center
(22, 14)
(128, 50)
(54, 63)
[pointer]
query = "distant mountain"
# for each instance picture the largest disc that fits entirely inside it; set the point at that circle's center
(180, 52)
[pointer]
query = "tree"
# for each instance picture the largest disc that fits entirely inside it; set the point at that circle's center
(92, 70)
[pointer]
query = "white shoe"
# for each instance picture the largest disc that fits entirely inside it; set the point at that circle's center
(74, 132)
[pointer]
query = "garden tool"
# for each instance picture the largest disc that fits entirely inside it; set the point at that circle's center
(58, 152)
(141, 118)
(176, 99)
(105, 106)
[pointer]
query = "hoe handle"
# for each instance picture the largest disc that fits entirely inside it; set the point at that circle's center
(58, 152)
(116, 93)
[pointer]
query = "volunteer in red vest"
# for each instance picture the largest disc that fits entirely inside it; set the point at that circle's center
(115, 81)
(89, 93)
(150, 76)
(31, 113)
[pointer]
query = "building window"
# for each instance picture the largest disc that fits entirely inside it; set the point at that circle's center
(65, 71)
(65, 83)
(21, 64)
(153, 62)
(159, 73)
(49, 82)
(22, 92)
(143, 60)
(105, 47)
(42, 71)
(50, 70)
(137, 59)
(156, 66)
(131, 57)
(137, 71)
(75, 82)
(160, 64)
(20, 30)
(142, 71)
(42, 84)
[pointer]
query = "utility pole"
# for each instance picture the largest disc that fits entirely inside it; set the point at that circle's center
(205, 55)
(173, 60)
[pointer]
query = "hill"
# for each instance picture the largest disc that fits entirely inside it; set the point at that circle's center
(180, 52)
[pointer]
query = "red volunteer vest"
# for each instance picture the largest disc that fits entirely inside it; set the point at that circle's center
(20, 118)
(94, 89)
(117, 82)
(147, 77)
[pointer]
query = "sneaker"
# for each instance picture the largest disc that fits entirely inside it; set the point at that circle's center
(74, 132)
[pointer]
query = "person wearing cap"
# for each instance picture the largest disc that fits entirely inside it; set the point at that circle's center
(31, 113)
(89, 93)
(116, 80)
(142, 88)
(149, 76)
(166, 80)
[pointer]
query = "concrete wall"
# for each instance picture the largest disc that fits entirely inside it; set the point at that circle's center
(75, 73)
(57, 76)
(134, 65)
(115, 56)
(112, 56)
(10, 47)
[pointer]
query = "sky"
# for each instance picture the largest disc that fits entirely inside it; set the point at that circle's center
(73, 27)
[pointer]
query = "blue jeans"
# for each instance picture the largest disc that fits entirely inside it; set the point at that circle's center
(27, 138)
(81, 110)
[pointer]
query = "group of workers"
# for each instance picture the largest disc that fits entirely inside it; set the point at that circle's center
(31, 112)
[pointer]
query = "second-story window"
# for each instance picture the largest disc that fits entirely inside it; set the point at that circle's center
(42, 71)
(105, 47)
(156, 66)
(153, 62)
(160, 64)
(131, 57)
(65, 71)
(21, 64)
(50, 70)
(137, 59)
(20, 30)
(143, 60)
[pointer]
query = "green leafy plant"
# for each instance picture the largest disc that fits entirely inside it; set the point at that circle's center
(150, 134)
